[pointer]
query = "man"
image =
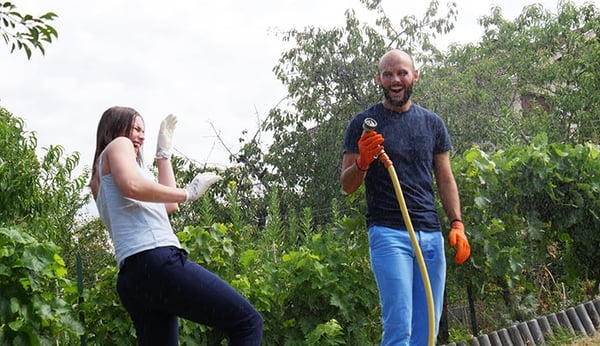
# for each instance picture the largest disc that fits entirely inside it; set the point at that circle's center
(417, 142)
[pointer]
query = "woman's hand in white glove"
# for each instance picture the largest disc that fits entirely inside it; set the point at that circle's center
(164, 143)
(198, 186)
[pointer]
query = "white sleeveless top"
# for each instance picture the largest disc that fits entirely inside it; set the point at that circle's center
(134, 225)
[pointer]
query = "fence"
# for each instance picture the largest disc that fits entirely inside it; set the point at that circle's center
(584, 319)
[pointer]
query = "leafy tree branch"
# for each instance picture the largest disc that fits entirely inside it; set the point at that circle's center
(25, 31)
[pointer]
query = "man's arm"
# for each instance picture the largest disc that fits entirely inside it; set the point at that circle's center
(451, 203)
(351, 177)
(447, 186)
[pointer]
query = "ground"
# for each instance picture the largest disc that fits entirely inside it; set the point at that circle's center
(595, 341)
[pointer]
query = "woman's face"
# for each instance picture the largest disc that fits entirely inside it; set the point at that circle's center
(137, 134)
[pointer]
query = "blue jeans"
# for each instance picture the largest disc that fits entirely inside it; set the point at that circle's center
(158, 285)
(401, 290)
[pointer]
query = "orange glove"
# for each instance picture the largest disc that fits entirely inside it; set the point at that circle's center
(369, 145)
(459, 240)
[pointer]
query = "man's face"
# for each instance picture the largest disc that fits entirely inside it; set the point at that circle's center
(396, 78)
(398, 98)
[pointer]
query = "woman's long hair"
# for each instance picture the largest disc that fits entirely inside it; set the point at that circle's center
(115, 122)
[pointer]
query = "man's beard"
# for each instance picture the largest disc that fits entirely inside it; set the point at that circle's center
(407, 92)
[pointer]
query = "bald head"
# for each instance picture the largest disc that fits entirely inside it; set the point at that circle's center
(393, 56)
(396, 76)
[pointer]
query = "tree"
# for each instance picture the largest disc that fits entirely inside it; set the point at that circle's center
(25, 32)
(531, 75)
(39, 194)
(329, 75)
(534, 74)
(532, 214)
(39, 200)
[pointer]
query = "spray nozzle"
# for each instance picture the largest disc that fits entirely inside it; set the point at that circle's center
(369, 124)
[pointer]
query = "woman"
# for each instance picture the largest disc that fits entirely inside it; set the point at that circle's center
(156, 282)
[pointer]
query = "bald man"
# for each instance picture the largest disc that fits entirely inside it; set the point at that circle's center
(417, 142)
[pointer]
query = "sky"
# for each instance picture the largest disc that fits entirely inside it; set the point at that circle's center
(208, 62)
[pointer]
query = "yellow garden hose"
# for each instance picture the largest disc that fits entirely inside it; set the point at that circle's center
(369, 125)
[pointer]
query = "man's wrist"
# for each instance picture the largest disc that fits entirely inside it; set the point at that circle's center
(358, 166)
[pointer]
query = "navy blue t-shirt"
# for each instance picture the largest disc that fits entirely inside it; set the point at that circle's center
(411, 139)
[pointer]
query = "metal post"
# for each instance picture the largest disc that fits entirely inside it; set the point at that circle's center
(80, 291)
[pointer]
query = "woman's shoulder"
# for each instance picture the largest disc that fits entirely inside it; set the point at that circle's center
(121, 140)
(117, 152)
(119, 143)
(117, 148)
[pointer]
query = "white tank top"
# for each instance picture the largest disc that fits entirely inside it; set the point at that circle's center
(134, 225)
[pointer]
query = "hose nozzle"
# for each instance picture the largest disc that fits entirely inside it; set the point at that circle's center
(369, 124)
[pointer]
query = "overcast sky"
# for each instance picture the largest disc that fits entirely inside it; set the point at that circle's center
(208, 62)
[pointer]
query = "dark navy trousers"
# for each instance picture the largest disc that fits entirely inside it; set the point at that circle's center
(159, 285)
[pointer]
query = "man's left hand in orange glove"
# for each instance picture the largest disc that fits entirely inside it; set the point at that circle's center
(459, 240)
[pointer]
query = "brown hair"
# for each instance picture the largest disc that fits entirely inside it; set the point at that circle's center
(115, 122)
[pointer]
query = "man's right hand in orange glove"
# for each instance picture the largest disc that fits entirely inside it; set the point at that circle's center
(369, 145)
(459, 240)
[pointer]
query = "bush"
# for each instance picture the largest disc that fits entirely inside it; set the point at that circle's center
(34, 305)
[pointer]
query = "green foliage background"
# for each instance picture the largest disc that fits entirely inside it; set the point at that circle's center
(521, 106)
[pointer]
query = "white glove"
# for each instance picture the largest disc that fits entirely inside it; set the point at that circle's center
(165, 137)
(198, 186)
